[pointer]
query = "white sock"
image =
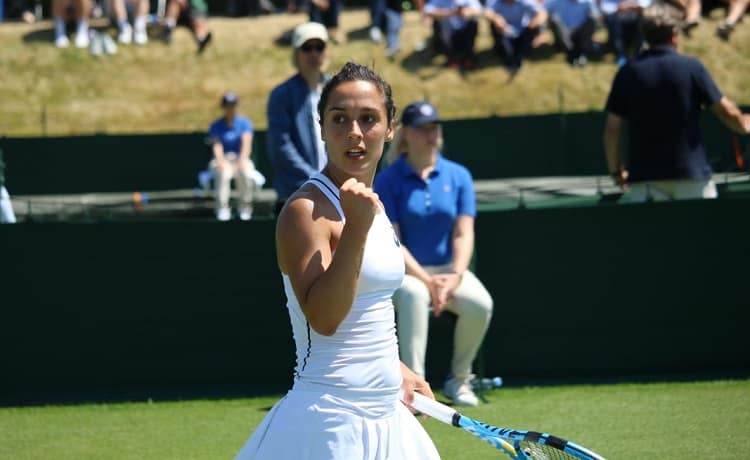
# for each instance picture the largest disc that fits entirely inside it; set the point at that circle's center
(59, 28)
(171, 23)
(140, 23)
(83, 27)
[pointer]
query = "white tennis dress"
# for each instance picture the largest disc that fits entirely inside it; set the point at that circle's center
(344, 402)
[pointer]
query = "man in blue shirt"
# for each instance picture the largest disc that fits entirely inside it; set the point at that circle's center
(455, 25)
(430, 201)
(514, 25)
(623, 20)
(294, 144)
(661, 94)
(231, 140)
(573, 23)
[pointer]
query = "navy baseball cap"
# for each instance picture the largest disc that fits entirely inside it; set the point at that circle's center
(420, 113)
(229, 98)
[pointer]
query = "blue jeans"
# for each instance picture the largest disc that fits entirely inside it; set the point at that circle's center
(329, 18)
(377, 13)
(514, 49)
(393, 23)
(624, 31)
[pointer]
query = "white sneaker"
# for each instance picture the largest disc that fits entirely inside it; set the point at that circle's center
(62, 41)
(140, 37)
(96, 46)
(376, 35)
(109, 45)
(223, 214)
(82, 41)
(460, 392)
(246, 214)
(125, 36)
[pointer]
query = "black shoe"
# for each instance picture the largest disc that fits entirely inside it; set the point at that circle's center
(166, 35)
(724, 30)
(687, 29)
(203, 42)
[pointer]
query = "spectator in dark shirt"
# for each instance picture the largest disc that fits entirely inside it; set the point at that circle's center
(660, 95)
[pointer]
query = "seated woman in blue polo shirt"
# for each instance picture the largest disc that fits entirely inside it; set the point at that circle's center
(231, 138)
(430, 201)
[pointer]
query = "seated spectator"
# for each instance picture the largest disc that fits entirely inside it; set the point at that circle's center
(454, 26)
(573, 23)
(191, 13)
(249, 7)
(231, 140)
(386, 17)
(7, 216)
(515, 24)
(25, 10)
(64, 11)
(327, 12)
(137, 32)
(736, 10)
(431, 203)
(623, 20)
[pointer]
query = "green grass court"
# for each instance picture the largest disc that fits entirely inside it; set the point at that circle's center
(680, 421)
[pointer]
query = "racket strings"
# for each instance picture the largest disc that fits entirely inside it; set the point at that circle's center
(537, 451)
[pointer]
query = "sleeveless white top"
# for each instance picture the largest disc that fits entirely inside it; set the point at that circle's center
(359, 364)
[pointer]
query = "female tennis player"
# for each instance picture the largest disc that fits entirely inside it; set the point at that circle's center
(340, 263)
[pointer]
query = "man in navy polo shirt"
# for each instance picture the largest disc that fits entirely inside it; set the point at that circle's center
(660, 95)
(430, 201)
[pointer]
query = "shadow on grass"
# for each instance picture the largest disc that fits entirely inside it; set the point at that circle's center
(363, 33)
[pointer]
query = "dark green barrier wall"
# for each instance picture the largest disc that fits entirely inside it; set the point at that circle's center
(617, 289)
(104, 310)
(96, 307)
(532, 146)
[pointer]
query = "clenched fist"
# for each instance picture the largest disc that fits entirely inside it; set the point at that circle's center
(359, 203)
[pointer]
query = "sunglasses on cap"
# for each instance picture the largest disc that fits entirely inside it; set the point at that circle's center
(310, 47)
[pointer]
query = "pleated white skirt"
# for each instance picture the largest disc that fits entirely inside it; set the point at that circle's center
(307, 425)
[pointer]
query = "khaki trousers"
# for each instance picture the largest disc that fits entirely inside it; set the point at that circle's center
(472, 305)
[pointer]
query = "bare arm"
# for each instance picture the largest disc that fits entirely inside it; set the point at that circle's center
(731, 115)
(612, 133)
(218, 151)
(441, 13)
(325, 283)
(539, 19)
(462, 240)
(463, 243)
(495, 19)
(246, 146)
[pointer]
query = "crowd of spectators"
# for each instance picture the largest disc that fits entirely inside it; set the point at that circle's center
(516, 25)
(295, 146)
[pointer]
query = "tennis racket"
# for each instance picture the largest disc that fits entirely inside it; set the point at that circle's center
(516, 444)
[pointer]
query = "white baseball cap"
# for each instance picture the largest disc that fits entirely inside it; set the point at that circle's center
(309, 31)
